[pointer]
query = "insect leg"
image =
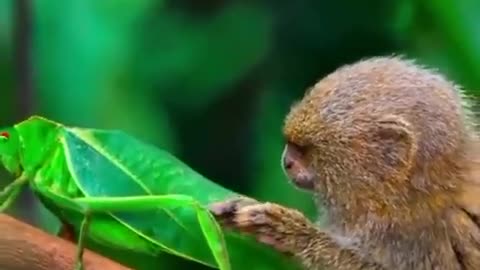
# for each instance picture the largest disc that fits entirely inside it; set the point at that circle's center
(15, 184)
(81, 242)
(10, 192)
(133, 203)
(70, 204)
(9, 199)
(210, 228)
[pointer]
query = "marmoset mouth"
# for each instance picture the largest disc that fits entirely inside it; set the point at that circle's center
(303, 181)
(294, 168)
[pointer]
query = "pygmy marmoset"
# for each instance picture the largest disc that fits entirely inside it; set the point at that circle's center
(391, 151)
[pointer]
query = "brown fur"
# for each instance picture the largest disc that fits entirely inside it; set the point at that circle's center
(390, 148)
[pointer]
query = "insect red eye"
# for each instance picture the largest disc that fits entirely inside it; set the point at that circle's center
(5, 134)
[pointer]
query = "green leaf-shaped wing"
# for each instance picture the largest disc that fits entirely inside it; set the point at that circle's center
(113, 164)
(74, 169)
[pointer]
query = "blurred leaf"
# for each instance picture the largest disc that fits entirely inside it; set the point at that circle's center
(137, 114)
(82, 58)
(6, 27)
(80, 52)
(403, 18)
(6, 62)
(195, 61)
(443, 34)
(460, 27)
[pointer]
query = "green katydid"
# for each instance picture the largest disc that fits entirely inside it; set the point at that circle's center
(123, 193)
(48, 165)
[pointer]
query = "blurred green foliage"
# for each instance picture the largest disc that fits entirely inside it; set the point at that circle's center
(210, 81)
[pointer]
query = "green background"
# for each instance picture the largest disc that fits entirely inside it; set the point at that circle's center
(211, 81)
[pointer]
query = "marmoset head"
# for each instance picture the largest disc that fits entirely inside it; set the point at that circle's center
(378, 121)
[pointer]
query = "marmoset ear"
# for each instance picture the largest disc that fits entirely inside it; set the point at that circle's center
(396, 142)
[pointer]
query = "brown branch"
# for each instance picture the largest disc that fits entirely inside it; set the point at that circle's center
(23, 247)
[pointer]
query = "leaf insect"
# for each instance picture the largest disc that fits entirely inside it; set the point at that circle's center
(112, 189)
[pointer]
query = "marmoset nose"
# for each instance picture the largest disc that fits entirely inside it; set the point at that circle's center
(287, 162)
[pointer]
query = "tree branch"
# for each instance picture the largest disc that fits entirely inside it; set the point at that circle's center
(23, 247)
